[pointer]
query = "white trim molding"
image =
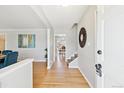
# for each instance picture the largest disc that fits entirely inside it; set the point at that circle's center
(91, 86)
(40, 61)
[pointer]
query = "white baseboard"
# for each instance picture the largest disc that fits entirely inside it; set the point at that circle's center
(86, 78)
(49, 67)
(73, 66)
(74, 63)
(39, 60)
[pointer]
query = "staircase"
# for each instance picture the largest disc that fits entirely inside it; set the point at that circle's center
(72, 61)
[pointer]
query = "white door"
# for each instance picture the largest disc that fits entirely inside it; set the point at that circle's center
(99, 50)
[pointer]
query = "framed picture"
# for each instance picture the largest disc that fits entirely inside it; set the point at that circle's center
(26, 41)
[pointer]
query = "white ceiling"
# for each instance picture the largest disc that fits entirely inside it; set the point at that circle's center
(63, 16)
(16, 17)
(21, 17)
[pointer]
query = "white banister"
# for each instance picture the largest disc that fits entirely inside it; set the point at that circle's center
(18, 75)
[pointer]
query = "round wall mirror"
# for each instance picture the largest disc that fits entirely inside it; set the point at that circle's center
(82, 37)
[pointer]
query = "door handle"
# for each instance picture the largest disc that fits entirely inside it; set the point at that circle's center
(98, 69)
(99, 52)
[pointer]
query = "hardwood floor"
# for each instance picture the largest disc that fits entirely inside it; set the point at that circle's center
(59, 76)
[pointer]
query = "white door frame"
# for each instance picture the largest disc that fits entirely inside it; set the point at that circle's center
(57, 35)
(99, 40)
(48, 48)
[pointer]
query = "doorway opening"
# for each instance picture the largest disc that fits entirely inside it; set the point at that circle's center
(60, 47)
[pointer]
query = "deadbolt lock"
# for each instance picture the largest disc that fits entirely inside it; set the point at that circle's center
(99, 52)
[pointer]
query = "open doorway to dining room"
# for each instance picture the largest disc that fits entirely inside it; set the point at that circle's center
(60, 47)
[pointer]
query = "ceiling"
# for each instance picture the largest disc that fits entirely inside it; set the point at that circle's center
(18, 17)
(63, 16)
(24, 16)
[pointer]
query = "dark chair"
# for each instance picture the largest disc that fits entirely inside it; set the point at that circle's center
(10, 59)
(1, 60)
(5, 52)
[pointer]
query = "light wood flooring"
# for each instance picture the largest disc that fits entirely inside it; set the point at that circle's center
(59, 76)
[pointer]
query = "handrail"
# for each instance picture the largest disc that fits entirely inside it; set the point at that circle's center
(13, 67)
(18, 75)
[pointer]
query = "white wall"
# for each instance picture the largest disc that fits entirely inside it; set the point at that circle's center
(18, 75)
(37, 53)
(60, 30)
(71, 42)
(114, 46)
(50, 47)
(87, 54)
